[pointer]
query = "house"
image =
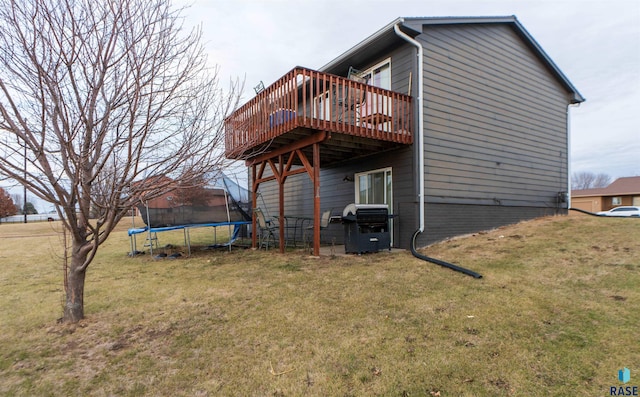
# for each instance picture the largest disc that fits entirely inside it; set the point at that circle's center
(457, 124)
(180, 205)
(622, 191)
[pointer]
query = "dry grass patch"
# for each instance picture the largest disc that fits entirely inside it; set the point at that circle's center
(555, 314)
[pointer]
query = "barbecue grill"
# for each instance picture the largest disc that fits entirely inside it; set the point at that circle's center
(366, 228)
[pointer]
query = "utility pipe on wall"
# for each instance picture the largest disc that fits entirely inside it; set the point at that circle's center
(421, 192)
(421, 185)
(569, 169)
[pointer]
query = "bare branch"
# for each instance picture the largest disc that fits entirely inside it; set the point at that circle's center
(105, 98)
(589, 180)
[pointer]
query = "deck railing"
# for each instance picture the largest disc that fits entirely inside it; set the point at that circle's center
(305, 98)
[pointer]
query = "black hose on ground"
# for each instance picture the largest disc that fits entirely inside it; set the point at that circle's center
(438, 261)
(586, 212)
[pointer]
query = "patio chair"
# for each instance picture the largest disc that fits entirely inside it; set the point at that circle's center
(267, 230)
(350, 99)
(356, 75)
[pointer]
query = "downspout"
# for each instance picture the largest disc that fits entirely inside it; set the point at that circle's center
(421, 185)
(568, 160)
(569, 170)
(569, 198)
(420, 123)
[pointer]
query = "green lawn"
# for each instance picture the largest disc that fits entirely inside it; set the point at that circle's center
(557, 313)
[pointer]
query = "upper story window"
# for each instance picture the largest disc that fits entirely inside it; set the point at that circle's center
(379, 75)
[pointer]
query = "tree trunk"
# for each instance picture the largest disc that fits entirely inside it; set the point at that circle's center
(74, 288)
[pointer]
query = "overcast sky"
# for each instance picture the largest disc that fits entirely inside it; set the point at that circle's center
(595, 43)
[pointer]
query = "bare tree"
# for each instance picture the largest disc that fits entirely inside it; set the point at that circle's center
(589, 180)
(602, 180)
(103, 96)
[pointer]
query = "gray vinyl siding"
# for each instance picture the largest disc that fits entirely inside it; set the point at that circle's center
(448, 220)
(495, 130)
(402, 66)
(298, 192)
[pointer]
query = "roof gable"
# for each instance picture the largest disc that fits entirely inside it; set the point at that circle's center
(413, 26)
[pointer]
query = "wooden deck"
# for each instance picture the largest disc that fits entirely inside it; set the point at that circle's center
(359, 119)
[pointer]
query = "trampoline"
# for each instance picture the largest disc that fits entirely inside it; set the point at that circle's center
(233, 236)
(227, 204)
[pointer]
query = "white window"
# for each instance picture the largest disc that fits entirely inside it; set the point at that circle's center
(377, 108)
(379, 75)
(616, 200)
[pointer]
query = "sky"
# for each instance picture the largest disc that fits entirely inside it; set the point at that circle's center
(596, 44)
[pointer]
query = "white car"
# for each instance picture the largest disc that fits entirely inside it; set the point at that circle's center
(622, 211)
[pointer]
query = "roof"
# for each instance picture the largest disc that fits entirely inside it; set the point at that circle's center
(413, 27)
(620, 187)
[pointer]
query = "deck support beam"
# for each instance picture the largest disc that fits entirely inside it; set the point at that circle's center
(316, 199)
(280, 163)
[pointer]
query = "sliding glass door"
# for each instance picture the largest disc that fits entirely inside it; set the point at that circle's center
(376, 187)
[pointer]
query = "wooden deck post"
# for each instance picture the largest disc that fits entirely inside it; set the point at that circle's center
(280, 162)
(254, 203)
(316, 199)
(281, 221)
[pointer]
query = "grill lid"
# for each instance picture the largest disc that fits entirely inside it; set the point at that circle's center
(352, 209)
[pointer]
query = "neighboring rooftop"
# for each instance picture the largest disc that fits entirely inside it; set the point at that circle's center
(622, 186)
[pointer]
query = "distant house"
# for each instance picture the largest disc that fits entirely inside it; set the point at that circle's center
(623, 191)
(456, 124)
(183, 205)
